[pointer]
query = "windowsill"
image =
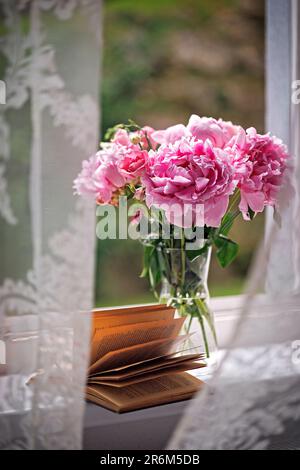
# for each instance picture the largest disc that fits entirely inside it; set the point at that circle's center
(151, 428)
(227, 313)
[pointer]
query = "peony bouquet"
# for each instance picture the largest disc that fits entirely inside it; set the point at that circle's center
(200, 176)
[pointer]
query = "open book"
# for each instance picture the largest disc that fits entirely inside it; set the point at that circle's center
(138, 359)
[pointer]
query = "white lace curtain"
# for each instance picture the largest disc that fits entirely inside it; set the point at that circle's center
(49, 60)
(50, 63)
(253, 402)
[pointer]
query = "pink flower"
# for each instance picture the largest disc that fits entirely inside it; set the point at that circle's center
(141, 137)
(188, 174)
(219, 132)
(122, 137)
(170, 135)
(260, 162)
(100, 177)
(146, 134)
(131, 161)
(107, 172)
(84, 184)
(130, 156)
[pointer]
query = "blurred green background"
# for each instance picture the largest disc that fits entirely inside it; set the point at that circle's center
(162, 61)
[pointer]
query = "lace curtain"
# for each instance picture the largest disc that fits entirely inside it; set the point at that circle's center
(49, 61)
(253, 402)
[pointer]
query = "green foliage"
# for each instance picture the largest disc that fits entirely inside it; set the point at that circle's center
(148, 252)
(227, 250)
(193, 254)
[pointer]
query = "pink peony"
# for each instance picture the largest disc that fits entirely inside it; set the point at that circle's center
(189, 173)
(131, 162)
(107, 172)
(170, 135)
(141, 138)
(260, 162)
(122, 137)
(219, 132)
(197, 167)
(131, 156)
(146, 135)
(99, 177)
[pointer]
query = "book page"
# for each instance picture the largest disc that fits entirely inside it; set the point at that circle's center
(137, 353)
(110, 339)
(130, 309)
(155, 360)
(148, 366)
(175, 368)
(108, 321)
(165, 389)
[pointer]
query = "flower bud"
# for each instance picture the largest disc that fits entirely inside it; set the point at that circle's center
(135, 139)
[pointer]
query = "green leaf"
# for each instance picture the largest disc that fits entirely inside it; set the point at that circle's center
(193, 254)
(148, 251)
(227, 223)
(154, 273)
(132, 125)
(110, 133)
(227, 250)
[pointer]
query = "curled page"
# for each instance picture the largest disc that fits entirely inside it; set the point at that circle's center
(110, 339)
(137, 353)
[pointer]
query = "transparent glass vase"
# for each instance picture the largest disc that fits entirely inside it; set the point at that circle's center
(184, 286)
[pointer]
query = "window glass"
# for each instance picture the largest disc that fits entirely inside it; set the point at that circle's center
(162, 61)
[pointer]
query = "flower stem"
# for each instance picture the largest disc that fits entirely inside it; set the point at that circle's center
(202, 307)
(182, 261)
(204, 334)
(188, 327)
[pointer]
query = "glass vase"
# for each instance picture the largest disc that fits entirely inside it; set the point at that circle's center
(184, 286)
